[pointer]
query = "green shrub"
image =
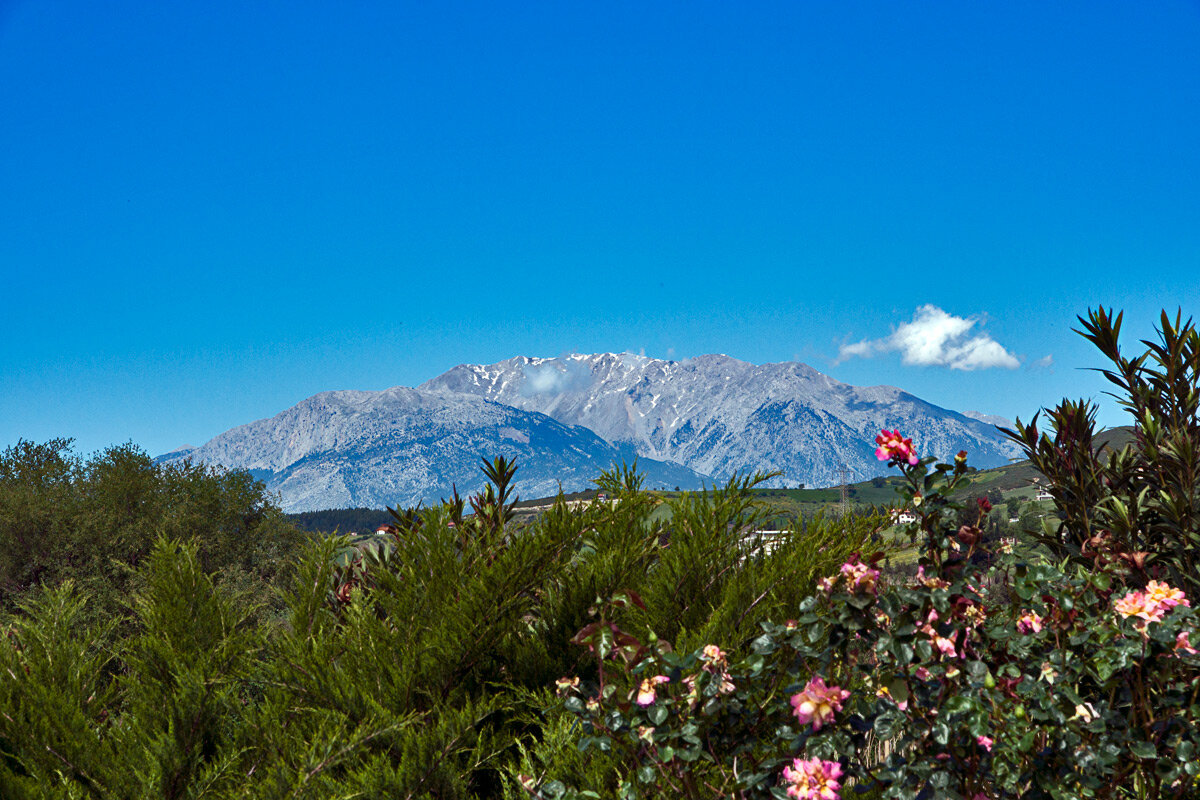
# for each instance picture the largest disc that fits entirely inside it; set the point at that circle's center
(979, 678)
(423, 669)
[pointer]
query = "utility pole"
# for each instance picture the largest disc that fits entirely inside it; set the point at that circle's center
(844, 477)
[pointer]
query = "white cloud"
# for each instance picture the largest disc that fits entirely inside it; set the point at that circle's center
(936, 339)
(554, 377)
(1045, 362)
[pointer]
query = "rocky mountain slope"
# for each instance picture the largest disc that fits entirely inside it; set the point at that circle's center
(404, 446)
(718, 415)
(566, 419)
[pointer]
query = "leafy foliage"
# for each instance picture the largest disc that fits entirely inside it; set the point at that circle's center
(420, 668)
(95, 521)
(1139, 504)
(980, 678)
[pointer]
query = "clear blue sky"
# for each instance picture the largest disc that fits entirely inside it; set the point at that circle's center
(210, 211)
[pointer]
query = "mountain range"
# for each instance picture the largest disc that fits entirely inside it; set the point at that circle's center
(689, 423)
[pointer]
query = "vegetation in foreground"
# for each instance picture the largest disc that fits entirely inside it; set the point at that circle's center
(1075, 676)
(424, 669)
(613, 651)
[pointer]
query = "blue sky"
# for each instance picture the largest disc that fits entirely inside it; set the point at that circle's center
(210, 211)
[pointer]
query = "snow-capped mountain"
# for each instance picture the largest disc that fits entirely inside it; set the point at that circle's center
(718, 415)
(403, 446)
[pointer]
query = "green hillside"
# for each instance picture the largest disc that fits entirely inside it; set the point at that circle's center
(1014, 482)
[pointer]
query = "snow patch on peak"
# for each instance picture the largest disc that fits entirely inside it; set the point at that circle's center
(989, 419)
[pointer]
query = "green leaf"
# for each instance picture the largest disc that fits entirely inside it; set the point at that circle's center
(763, 644)
(1143, 749)
(885, 724)
(957, 704)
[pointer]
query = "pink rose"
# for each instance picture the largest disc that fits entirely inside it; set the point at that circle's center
(813, 779)
(894, 447)
(816, 703)
(1029, 623)
(646, 695)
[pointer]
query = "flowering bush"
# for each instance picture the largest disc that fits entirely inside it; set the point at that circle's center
(978, 682)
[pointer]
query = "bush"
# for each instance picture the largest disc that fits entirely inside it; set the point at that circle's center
(419, 669)
(94, 521)
(1064, 678)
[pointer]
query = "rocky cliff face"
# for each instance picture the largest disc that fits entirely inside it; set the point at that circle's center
(718, 415)
(403, 446)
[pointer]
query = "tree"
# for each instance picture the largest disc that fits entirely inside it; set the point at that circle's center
(93, 522)
(1139, 504)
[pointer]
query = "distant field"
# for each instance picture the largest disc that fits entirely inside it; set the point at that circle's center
(1013, 482)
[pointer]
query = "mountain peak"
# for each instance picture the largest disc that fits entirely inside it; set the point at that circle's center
(720, 415)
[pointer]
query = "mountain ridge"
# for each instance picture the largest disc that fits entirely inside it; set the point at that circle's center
(720, 415)
(401, 446)
(689, 422)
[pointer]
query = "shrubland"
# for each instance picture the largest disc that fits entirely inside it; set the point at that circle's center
(422, 669)
(608, 651)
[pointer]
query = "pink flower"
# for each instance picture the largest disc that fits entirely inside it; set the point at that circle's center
(894, 447)
(1182, 645)
(1164, 596)
(930, 583)
(1150, 605)
(944, 646)
(1134, 604)
(816, 702)
(813, 779)
(646, 695)
(1029, 623)
(859, 577)
(985, 742)
(712, 656)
